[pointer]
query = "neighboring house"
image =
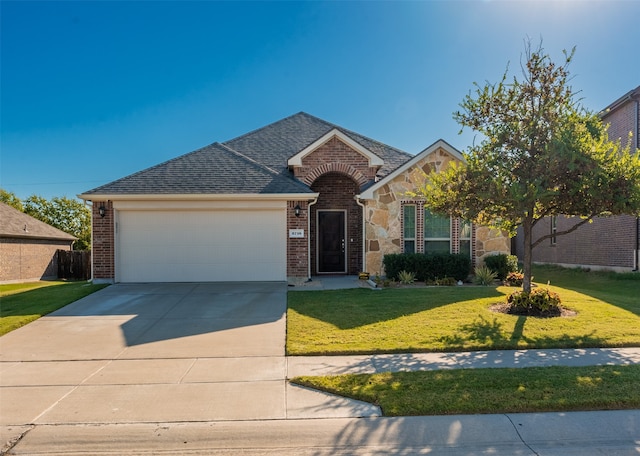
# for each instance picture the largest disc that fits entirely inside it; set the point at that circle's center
(28, 247)
(297, 198)
(609, 242)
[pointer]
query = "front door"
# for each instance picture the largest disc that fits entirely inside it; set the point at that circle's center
(331, 242)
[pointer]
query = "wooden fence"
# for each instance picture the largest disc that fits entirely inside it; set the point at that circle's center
(74, 264)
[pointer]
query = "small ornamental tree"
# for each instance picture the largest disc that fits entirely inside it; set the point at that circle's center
(541, 155)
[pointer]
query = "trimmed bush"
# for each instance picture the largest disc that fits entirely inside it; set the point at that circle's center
(428, 267)
(502, 264)
(540, 302)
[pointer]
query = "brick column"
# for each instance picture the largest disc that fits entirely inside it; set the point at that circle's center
(297, 248)
(103, 242)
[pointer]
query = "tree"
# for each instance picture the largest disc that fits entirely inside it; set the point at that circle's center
(68, 215)
(541, 155)
(11, 199)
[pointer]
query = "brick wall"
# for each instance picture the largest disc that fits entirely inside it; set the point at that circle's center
(103, 242)
(24, 260)
(622, 120)
(333, 156)
(337, 191)
(297, 248)
(608, 242)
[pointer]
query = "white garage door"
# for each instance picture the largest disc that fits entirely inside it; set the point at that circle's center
(201, 246)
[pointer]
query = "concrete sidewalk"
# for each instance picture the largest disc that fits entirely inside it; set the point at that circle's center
(541, 434)
(370, 364)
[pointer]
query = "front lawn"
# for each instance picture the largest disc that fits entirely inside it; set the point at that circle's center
(359, 321)
(22, 303)
(467, 391)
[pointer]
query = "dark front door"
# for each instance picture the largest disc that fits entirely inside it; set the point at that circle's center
(331, 242)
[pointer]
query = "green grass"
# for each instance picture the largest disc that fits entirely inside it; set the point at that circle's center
(470, 391)
(25, 302)
(359, 321)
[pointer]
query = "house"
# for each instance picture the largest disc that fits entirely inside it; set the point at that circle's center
(297, 198)
(28, 247)
(609, 242)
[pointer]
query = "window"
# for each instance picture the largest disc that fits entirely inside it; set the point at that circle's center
(437, 233)
(409, 228)
(554, 229)
(465, 238)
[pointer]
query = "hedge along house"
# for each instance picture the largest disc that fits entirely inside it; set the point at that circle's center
(297, 198)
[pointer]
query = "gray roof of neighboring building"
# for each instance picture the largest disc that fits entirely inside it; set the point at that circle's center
(254, 163)
(16, 224)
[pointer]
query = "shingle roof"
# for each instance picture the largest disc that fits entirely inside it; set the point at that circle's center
(214, 169)
(255, 162)
(275, 143)
(16, 224)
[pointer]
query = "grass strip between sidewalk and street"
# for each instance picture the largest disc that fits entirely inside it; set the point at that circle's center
(488, 391)
(25, 302)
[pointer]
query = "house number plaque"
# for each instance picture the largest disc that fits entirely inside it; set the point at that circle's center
(296, 233)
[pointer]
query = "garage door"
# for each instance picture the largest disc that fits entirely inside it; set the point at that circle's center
(201, 246)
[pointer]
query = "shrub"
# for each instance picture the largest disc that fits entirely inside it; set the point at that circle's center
(502, 264)
(428, 267)
(514, 279)
(406, 278)
(540, 302)
(484, 276)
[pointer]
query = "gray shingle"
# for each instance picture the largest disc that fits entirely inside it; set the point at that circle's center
(16, 224)
(275, 143)
(214, 169)
(255, 162)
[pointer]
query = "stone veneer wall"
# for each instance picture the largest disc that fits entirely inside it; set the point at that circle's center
(383, 216)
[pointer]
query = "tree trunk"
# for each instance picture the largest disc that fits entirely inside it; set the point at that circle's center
(527, 226)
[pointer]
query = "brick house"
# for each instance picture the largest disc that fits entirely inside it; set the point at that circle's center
(609, 242)
(28, 247)
(294, 199)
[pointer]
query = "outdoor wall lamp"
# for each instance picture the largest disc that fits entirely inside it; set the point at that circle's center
(296, 210)
(102, 210)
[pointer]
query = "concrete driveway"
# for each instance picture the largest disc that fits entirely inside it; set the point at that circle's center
(135, 353)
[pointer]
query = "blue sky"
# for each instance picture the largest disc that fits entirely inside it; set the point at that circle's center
(94, 91)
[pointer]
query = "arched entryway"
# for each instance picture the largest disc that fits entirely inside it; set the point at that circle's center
(336, 226)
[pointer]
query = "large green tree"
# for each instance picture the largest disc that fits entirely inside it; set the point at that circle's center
(541, 154)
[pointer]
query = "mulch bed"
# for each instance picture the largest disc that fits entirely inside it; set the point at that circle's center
(506, 308)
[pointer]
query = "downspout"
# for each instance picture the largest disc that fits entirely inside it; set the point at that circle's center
(86, 203)
(364, 227)
(310, 203)
(637, 252)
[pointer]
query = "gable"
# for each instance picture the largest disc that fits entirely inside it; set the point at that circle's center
(372, 159)
(408, 176)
